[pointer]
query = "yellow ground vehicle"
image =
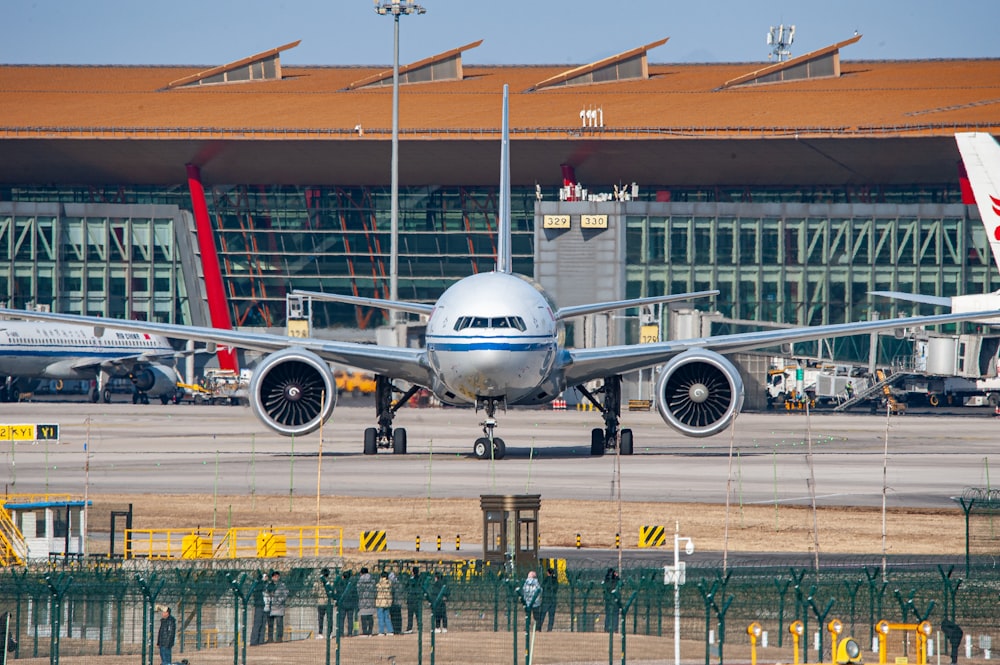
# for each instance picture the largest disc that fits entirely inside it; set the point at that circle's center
(354, 383)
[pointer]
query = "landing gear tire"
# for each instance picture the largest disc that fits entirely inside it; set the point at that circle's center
(106, 395)
(95, 395)
(371, 441)
(135, 398)
(144, 399)
(596, 442)
(625, 442)
(499, 448)
(481, 448)
(164, 399)
(398, 441)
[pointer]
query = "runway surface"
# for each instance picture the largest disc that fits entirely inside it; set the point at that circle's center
(192, 449)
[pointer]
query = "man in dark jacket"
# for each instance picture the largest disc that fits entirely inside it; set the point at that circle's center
(347, 604)
(259, 612)
(550, 594)
(165, 638)
(414, 598)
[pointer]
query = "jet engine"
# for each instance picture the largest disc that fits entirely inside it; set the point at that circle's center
(699, 393)
(154, 380)
(293, 391)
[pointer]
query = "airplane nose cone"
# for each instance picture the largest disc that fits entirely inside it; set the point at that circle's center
(698, 393)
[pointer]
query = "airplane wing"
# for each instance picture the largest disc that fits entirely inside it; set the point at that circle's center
(398, 305)
(580, 310)
(582, 365)
(940, 301)
(398, 362)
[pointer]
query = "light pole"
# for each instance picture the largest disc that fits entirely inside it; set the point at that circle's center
(675, 574)
(395, 8)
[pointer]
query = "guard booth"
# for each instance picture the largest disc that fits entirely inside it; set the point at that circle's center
(510, 530)
(51, 527)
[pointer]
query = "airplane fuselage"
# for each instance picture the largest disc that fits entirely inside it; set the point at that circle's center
(64, 351)
(494, 335)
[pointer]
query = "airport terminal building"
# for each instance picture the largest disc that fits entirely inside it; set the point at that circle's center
(794, 188)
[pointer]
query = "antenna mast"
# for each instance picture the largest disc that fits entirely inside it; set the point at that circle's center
(780, 39)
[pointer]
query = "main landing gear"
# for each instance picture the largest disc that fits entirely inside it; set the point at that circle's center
(97, 394)
(488, 445)
(384, 436)
(611, 408)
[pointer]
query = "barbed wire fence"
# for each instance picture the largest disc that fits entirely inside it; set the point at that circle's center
(92, 610)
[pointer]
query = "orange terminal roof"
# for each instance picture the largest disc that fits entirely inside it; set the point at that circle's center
(878, 122)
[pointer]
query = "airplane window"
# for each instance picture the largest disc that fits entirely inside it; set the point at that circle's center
(518, 322)
(500, 322)
(480, 322)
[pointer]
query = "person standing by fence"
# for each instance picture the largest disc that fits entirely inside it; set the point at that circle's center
(366, 601)
(347, 604)
(276, 617)
(383, 601)
(165, 637)
(550, 593)
(414, 599)
(439, 606)
(531, 595)
(259, 600)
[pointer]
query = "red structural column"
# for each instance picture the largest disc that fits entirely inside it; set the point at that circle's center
(218, 309)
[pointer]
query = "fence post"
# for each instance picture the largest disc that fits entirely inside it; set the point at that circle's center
(801, 611)
(821, 619)
(150, 590)
(57, 589)
(782, 587)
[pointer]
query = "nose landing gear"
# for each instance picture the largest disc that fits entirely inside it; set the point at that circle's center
(489, 446)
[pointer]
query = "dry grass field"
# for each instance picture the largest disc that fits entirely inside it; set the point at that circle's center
(750, 528)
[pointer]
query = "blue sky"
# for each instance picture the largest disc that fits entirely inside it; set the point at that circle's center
(349, 32)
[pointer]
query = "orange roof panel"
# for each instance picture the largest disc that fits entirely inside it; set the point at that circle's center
(895, 97)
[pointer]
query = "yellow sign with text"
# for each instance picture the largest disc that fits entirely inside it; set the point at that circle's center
(593, 221)
(28, 432)
(555, 222)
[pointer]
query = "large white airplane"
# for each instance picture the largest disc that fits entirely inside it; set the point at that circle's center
(63, 351)
(981, 157)
(496, 340)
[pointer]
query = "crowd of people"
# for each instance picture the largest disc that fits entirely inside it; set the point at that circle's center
(369, 605)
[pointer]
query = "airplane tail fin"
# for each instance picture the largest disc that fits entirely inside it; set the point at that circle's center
(504, 252)
(981, 156)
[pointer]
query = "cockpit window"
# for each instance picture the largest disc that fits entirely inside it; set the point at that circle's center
(497, 322)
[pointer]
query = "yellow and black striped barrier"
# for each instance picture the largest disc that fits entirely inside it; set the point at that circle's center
(418, 543)
(372, 541)
(652, 536)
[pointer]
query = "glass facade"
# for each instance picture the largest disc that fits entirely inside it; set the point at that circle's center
(774, 265)
(97, 259)
(798, 256)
